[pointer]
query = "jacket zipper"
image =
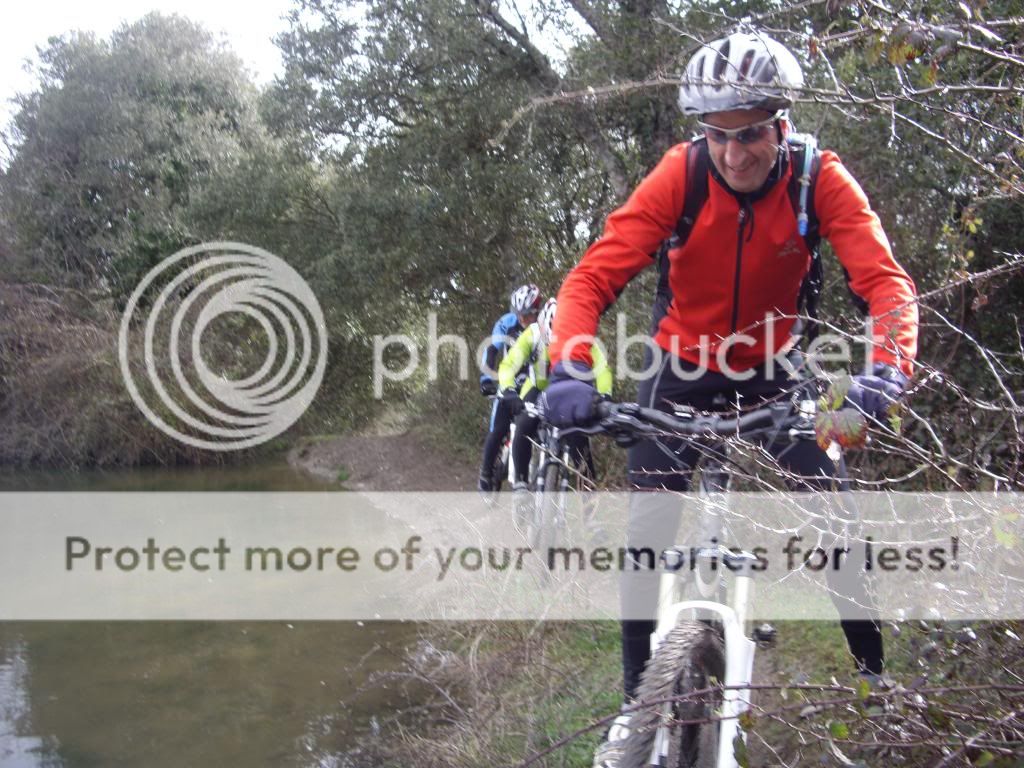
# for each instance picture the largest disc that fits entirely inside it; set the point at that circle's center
(739, 262)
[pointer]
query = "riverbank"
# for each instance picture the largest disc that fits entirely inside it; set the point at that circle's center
(389, 456)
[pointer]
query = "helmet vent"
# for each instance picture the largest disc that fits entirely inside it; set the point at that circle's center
(721, 62)
(768, 72)
(748, 58)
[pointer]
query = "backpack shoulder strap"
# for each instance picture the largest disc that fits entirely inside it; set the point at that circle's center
(805, 160)
(697, 163)
(695, 196)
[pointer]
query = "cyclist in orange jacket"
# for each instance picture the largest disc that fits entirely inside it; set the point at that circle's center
(732, 295)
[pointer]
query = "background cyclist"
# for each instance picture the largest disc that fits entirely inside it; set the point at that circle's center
(743, 259)
(531, 350)
(524, 306)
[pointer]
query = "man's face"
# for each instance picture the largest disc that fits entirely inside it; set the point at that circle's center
(527, 317)
(744, 161)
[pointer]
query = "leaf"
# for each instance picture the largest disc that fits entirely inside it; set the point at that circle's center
(1002, 529)
(985, 758)
(846, 427)
(838, 730)
(1006, 539)
(895, 422)
(838, 391)
(987, 33)
(739, 751)
(843, 759)
(938, 718)
(930, 74)
(863, 689)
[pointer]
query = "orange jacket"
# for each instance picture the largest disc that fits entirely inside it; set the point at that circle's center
(708, 298)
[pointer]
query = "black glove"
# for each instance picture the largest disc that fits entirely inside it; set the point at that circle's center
(569, 400)
(512, 401)
(488, 387)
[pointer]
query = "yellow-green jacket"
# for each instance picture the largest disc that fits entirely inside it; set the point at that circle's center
(528, 349)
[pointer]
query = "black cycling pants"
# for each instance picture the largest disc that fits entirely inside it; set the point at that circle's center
(501, 420)
(667, 464)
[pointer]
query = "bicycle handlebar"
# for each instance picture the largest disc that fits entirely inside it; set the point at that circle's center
(634, 420)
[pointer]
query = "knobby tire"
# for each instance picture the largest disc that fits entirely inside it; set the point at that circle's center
(690, 659)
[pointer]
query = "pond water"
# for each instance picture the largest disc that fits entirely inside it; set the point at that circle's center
(76, 694)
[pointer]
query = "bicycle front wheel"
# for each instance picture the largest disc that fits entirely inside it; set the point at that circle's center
(549, 501)
(686, 667)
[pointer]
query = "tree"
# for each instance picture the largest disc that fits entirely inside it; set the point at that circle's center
(117, 139)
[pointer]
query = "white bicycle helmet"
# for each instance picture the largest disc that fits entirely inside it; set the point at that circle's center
(524, 298)
(741, 71)
(546, 320)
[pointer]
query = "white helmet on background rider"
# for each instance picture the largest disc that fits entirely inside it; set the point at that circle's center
(546, 320)
(741, 71)
(525, 299)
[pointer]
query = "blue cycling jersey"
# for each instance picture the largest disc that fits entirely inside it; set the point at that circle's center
(505, 331)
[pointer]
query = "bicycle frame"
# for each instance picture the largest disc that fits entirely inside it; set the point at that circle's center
(507, 452)
(732, 618)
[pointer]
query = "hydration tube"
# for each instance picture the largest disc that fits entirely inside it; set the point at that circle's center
(805, 182)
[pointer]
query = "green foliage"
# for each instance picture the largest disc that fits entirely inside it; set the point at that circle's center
(110, 149)
(428, 156)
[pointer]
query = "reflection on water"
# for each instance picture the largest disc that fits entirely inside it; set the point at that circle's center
(17, 750)
(192, 694)
(83, 694)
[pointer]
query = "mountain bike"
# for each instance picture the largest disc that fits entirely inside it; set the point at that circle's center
(696, 684)
(503, 470)
(558, 474)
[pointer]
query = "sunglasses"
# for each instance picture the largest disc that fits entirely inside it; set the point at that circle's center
(748, 134)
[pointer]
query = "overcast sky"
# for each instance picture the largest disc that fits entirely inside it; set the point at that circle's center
(247, 27)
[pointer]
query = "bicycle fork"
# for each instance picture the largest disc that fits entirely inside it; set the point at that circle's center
(739, 656)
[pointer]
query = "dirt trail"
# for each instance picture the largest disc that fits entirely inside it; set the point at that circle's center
(387, 457)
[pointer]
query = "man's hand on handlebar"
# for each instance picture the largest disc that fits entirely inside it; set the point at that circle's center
(513, 403)
(874, 395)
(570, 397)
